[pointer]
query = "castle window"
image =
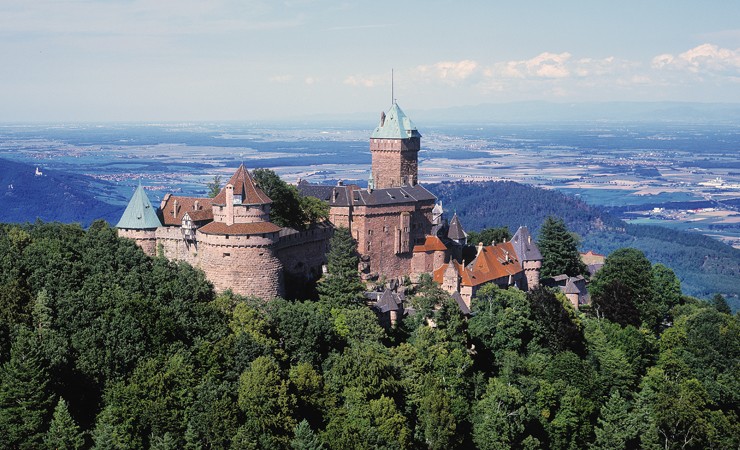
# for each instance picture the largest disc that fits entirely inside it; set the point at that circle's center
(368, 245)
(227, 236)
(227, 255)
(369, 232)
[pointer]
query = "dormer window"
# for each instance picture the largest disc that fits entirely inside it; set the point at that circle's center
(237, 199)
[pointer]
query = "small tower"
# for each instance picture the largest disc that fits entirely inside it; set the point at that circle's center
(530, 256)
(394, 146)
(239, 248)
(451, 279)
(140, 222)
(458, 236)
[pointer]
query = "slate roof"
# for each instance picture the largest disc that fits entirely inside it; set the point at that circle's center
(396, 125)
(524, 246)
(246, 187)
(461, 303)
(386, 301)
(240, 228)
(356, 196)
(199, 209)
(139, 213)
(456, 231)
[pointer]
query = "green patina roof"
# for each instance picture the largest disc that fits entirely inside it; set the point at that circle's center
(397, 125)
(139, 213)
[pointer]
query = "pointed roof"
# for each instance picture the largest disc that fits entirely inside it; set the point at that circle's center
(437, 210)
(524, 246)
(246, 187)
(396, 125)
(139, 213)
(456, 231)
(461, 303)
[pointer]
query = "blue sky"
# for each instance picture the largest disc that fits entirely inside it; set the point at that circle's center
(144, 60)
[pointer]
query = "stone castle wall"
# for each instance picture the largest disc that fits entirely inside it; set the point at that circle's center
(303, 253)
(386, 236)
(394, 162)
(245, 270)
(146, 239)
(426, 262)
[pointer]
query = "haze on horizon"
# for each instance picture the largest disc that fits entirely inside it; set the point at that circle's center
(188, 60)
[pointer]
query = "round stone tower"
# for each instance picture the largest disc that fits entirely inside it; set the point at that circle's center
(238, 249)
(140, 222)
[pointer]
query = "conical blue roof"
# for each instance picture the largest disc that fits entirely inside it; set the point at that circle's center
(139, 214)
(396, 125)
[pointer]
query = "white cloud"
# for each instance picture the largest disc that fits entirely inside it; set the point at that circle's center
(704, 59)
(310, 80)
(544, 65)
(359, 80)
(450, 72)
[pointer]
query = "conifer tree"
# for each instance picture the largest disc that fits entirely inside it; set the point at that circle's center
(559, 248)
(342, 285)
(305, 438)
(25, 398)
(615, 426)
(63, 432)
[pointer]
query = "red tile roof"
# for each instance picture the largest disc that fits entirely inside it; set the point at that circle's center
(431, 244)
(240, 228)
(246, 187)
(493, 262)
(199, 209)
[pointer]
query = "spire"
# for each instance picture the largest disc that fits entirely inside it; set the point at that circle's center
(456, 232)
(139, 213)
(395, 125)
(246, 190)
(524, 246)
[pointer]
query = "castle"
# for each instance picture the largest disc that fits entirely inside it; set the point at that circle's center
(399, 227)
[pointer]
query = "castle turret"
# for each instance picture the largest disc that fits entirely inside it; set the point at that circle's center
(529, 255)
(139, 222)
(395, 145)
(239, 248)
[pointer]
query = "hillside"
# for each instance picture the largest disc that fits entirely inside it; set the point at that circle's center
(704, 265)
(53, 196)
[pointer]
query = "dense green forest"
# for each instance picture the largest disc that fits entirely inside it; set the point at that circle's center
(704, 265)
(103, 347)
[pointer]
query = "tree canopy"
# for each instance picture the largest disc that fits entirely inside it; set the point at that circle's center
(559, 248)
(104, 347)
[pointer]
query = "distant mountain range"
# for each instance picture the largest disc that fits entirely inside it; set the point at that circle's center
(51, 196)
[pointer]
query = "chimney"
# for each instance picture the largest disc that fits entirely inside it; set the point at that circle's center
(529, 239)
(382, 118)
(174, 209)
(229, 204)
(196, 205)
(480, 248)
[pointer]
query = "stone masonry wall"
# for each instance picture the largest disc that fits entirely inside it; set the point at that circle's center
(245, 270)
(247, 265)
(304, 253)
(394, 162)
(146, 239)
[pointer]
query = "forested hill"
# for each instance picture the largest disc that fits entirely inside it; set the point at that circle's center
(704, 265)
(53, 196)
